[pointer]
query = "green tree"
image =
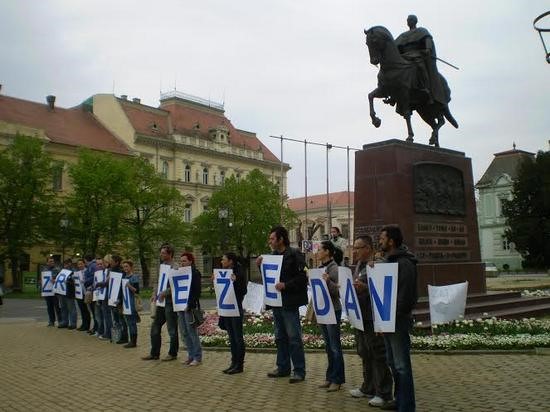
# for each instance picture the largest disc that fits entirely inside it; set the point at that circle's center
(27, 203)
(528, 213)
(156, 211)
(96, 205)
(249, 209)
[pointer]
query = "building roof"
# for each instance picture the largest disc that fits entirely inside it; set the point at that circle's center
(503, 163)
(194, 118)
(320, 201)
(75, 126)
(147, 120)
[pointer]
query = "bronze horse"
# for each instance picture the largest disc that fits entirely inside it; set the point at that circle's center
(398, 85)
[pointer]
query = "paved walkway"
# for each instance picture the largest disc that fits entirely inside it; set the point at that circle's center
(51, 369)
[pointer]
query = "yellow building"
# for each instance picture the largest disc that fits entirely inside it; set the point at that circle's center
(188, 139)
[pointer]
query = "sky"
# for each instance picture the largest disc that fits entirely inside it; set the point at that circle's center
(299, 69)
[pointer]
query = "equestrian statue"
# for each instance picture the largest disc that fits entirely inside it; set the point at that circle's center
(408, 77)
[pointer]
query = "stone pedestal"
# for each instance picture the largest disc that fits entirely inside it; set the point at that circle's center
(429, 193)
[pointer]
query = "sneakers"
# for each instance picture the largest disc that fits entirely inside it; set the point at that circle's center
(277, 374)
(358, 393)
(377, 401)
(101, 337)
(194, 362)
(187, 361)
(295, 378)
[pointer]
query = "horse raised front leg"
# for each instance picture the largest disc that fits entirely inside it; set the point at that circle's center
(409, 128)
(374, 94)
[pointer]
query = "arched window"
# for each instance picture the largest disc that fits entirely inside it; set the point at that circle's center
(164, 171)
(222, 177)
(205, 176)
(187, 217)
(187, 173)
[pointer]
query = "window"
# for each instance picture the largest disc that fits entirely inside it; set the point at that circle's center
(345, 231)
(58, 178)
(222, 177)
(187, 173)
(187, 217)
(238, 177)
(164, 171)
(505, 244)
(205, 176)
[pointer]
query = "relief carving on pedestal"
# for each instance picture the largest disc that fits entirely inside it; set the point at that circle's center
(438, 189)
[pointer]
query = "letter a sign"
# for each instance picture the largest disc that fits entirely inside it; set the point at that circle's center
(383, 294)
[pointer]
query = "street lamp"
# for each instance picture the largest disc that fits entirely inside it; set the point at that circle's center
(64, 223)
(222, 214)
(542, 30)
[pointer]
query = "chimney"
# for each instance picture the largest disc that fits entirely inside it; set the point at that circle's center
(124, 96)
(51, 101)
(136, 100)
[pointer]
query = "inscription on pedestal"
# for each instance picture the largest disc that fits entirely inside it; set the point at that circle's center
(458, 242)
(443, 255)
(448, 228)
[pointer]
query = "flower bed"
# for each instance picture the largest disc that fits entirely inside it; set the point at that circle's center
(463, 334)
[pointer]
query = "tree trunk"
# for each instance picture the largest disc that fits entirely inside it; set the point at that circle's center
(145, 273)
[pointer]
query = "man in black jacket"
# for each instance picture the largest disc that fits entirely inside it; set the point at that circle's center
(286, 319)
(398, 344)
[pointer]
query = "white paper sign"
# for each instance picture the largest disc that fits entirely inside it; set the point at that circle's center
(180, 285)
(60, 285)
(447, 303)
(349, 299)
(126, 298)
(115, 280)
(164, 277)
(99, 293)
(383, 294)
(47, 283)
(226, 299)
(322, 303)
(254, 299)
(78, 285)
(271, 272)
(302, 310)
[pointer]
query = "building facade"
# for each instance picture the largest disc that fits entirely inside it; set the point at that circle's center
(495, 186)
(189, 140)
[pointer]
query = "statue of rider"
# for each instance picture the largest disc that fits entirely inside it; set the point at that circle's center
(416, 45)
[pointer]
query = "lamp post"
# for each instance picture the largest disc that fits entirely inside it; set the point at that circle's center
(541, 31)
(222, 214)
(64, 223)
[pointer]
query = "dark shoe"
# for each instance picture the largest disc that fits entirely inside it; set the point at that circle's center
(130, 345)
(324, 385)
(295, 378)
(51, 324)
(236, 369)
(150, 357)
(276, 373)
(389, 406)
(120, 342)
(169, 358)
(228, 369)
(62, 327)
(334, 387)
(71, 327)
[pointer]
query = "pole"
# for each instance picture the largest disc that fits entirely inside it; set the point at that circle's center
(329, 219)
(282, 180)
(305, 187)
(349, 204)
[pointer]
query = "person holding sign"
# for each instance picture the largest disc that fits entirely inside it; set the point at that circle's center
(335, 376)
(186, 319)
(234, 324)
(377, 379)
(84, 313)
(164, 312)
(49, 272)
(133, 288)
(70, 301)
(292, 286)
(398, 344)
(119, 321)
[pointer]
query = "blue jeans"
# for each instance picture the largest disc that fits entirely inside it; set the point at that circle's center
(63, 310)
(99, 323)
(120, 323)
(234, 326)
(288, 338)
(107, 320)
(53, 309)
(131, 321)
(398, 352)
(192, 340)
(71, 311)
(333, 347)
